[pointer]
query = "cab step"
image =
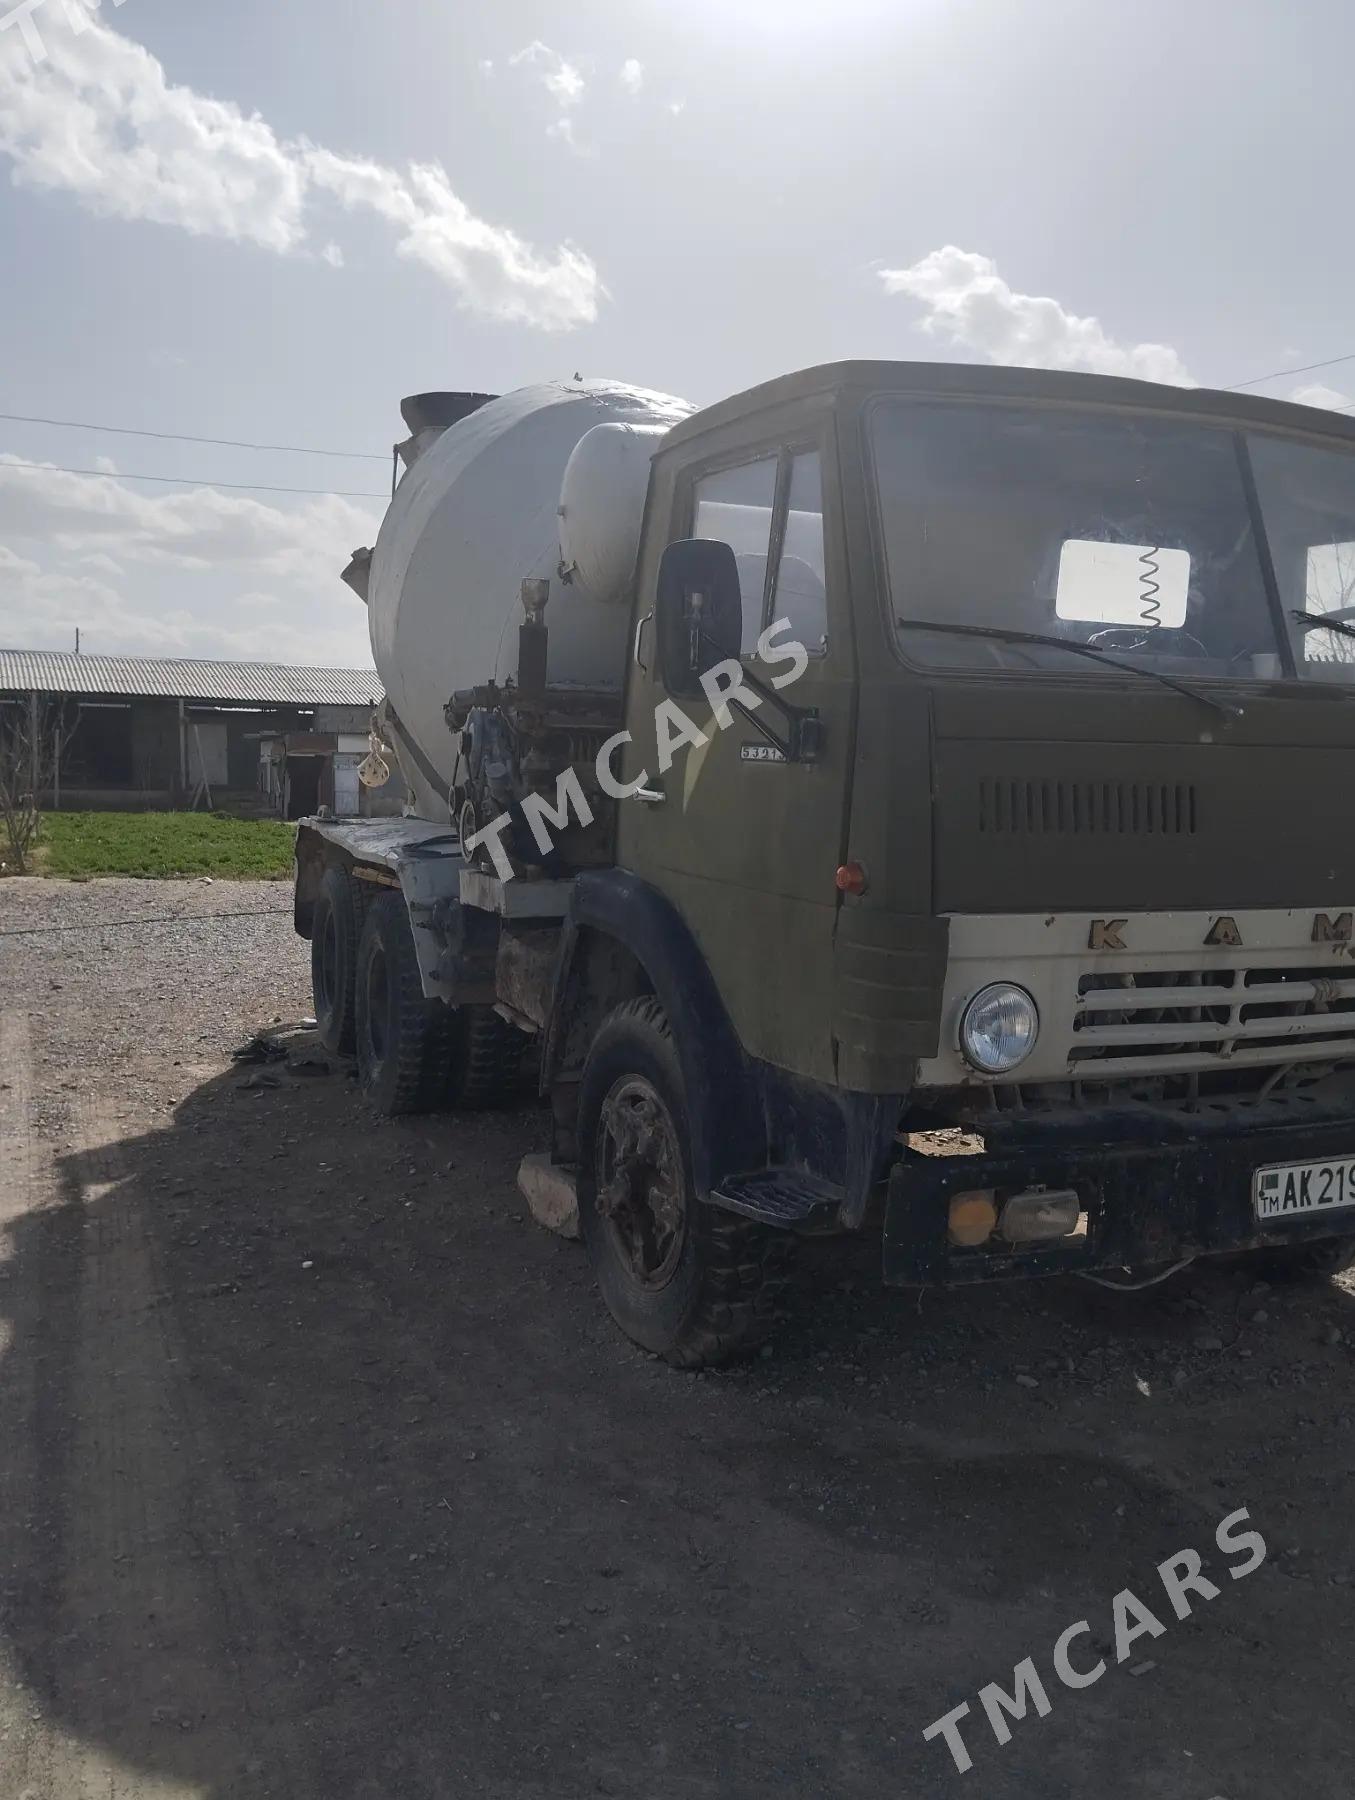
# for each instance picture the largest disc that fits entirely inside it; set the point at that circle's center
(788, 1199)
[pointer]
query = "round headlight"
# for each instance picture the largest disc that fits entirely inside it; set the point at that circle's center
(998, 1028)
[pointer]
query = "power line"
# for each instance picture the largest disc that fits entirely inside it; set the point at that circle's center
(1303, 369)
(254, 487)
(182, 437)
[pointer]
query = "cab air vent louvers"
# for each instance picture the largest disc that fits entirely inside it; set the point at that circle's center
(1112, 808)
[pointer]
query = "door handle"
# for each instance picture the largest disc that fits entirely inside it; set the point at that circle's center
(635, 648)
(651, 796)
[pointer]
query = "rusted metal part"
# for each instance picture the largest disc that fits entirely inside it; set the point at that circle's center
(525, 971)
(639, 1190)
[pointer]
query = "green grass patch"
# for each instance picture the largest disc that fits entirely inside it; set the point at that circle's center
(159, 845)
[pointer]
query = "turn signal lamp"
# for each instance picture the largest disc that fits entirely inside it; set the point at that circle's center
(973, 1217)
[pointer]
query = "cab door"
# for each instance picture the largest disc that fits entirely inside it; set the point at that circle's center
(743, 842)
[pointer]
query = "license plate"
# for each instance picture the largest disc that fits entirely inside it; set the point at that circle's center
(1293, 1190)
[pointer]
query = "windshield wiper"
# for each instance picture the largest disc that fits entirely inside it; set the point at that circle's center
(1004, 635)
(1316, 622)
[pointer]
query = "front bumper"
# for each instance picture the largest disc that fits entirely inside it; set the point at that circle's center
(1156, 1188)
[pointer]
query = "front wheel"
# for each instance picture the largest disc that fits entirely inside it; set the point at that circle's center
(689, 1282)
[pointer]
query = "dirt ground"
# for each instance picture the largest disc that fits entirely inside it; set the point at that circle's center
(323, 1476)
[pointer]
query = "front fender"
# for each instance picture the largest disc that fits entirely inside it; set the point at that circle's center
(726, 1116)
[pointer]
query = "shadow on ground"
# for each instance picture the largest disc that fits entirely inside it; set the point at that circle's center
(336, 1483)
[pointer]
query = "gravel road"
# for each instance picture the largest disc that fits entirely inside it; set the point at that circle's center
(323, 1476)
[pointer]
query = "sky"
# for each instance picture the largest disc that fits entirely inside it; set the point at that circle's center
(271, 219)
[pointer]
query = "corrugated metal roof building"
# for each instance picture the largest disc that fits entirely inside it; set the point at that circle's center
(170, 731)
(184, 678)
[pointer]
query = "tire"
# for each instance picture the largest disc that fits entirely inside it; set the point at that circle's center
(402, 1040)
(417, 1055)
(485, 1060)
(334, 952)
(1318, 1261)
(685, 1280)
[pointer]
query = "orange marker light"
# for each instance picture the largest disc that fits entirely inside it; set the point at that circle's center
(851, 879)
(972, 1218)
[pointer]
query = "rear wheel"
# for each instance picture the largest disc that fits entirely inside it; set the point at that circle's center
(688, 1281)
(334, 943)
(485, 1060)
(401, 1037)
(419, 1055)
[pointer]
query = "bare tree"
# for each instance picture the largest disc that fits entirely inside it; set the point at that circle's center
(1331, 589)
(34, 731)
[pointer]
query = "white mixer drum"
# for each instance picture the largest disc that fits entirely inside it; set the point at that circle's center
(478, 514)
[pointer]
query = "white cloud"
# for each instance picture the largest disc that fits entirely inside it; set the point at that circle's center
(16, 568)
(968, 303)
(198, 528)
(632, 75)
(1316, 393)
(677, 107)
(77, 537)
(493, 269)
(42, 609)
(562, 79)
(98, 119)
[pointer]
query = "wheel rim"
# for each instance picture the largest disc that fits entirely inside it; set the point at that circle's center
(329, 963)
(639, 1181)
(378, 999)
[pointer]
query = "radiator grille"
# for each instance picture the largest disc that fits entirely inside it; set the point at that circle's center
(1210, 1018)
(1111, 808)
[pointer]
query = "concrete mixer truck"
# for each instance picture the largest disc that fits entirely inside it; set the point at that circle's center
(900, 797)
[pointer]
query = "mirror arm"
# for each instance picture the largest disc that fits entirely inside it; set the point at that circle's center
(759, 724)
(803, 741)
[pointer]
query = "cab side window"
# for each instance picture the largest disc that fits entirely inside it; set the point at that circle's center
(770, 513)
(735, 506)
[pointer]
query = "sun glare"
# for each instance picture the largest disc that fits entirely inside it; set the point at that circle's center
(799, 17)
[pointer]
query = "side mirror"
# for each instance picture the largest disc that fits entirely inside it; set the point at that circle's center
(698, 611)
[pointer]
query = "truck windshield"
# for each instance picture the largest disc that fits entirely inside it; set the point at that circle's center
(1132, 535)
